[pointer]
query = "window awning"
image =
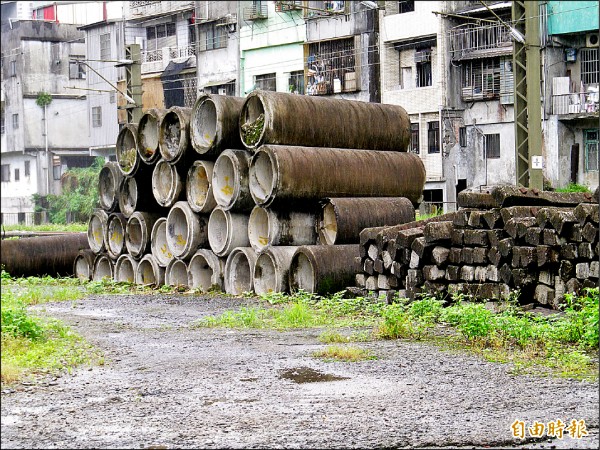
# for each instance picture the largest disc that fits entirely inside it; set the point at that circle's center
(218, 83)
(85, 152)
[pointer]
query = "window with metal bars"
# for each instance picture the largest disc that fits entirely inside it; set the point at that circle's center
(189, 90)
(481, 79)
(212, 35)
(97, 116)
(414, 137)
(492, 146)
(266, 82)
(462, 136)
(591, 150)
(433, 137)
(332, 67)
(588, 58)
(296, 82)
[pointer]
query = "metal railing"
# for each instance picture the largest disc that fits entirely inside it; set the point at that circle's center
(468, 39)
(256, 12)
(575, 103)
(24, 218)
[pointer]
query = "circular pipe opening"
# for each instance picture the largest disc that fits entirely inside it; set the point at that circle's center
(82, 268)
(218, 230)
(302, 274)
(145, 273)
(103, 269)
(158, 243)
(148, 137)
(252, 121)
(265, 274)
(200, 273)
(225, 180)
(115, 236)
(263, 177)
(96, 228)
(126, 149)
(199, 187)
(204, 126)
(259, 228)
(328, 225)
(177, 231)
(164, 183)
(125, 269)
(239, 274)
(107, 187)
(128, 196)
(177, 273)
(134, 236)
(170, 136)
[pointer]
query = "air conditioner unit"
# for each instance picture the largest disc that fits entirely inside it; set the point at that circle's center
(591, 40)
(222, 91)
(423, 56)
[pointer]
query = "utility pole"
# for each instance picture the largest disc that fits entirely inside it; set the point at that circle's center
(528, 118)
(133, 77)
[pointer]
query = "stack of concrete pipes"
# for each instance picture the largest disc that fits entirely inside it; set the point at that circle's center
(265, 194)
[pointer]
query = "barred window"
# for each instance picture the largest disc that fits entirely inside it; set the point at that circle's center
(589, 65)
(296, 82)
(492, 146)
(97, 116)
(414, 137)
(462, 136)
(433, 137)
(332, 67)
(266, 82)
(481, 79)
(591, 150)
(212, 35)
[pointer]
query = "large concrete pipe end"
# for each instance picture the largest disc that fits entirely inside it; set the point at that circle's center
(158, 243)
(239, 271)
(281, 227)
(104, 268)
(272, 268)
(186, 230)
(272, 117)
(96, 231)
(83, 266)
(134, 196)
(115, 235)
(198, 187)
(149, 273)
(226, 231)
(125, 269)
(230, 180)
(174, 133)
(109, 183)
(323, 269)
(214, 124)
(342, 219)
(126, 151)
(205, 271)
(176, 273)
(147, 135)
(167, 185)
(138, 232)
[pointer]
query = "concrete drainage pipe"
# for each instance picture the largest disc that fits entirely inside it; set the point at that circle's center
(230, 180)
(167, 185)
(342, 219)
(97, 230)
(214, 124)
(125, 268)
(198, 187)
(83, 266)
(205, 271)
(281, 174)
(138, 232)
(134, 196)
(176, 273)
(226, 231)
(126, 151)
(186, 230)
(148, 272)
(279, 227)
(103, 268)
(109, 183)
(147, 135)
(324, 269)
(115, 235)
(272, 269)
(174, 134)
(158, 243)
(239, 270)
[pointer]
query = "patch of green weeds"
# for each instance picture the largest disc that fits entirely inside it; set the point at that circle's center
(346, 353)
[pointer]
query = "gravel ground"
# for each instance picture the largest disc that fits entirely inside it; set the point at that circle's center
(166, 385)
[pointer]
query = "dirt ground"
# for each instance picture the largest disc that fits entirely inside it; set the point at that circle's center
(166, 385)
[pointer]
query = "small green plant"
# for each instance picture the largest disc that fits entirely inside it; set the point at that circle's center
(43, 99)
(346, 353)
(573, 187)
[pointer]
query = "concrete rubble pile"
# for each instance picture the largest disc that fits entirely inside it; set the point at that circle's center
(249, 194)
(544, 244)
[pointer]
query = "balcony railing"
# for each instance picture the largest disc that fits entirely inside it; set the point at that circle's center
(575, 103)
(157, 60)
(483, 41)
(144, 9)
(256, 12)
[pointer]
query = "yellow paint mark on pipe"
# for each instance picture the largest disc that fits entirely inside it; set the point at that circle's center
(180, 240)
(263, 240)
(227, 189)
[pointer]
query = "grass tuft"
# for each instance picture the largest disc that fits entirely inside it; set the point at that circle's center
(346, 353)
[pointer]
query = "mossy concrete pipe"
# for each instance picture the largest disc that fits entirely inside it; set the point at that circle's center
(147, 135)
(115, 235)
(167, 184)
(273, 118)
(205, 271)
(109, 183)
(227, 230)
(126, 150)
(342, 219)
(158, 243)
(43, 255)
(125, 268)
(187, 231)
(104, 267)
(272, 268)
(148, 272)
(239, 270)
(230, 181)
(268, 226)
(174, 134)
(324, 269)
(214, 124)
(96, 231)
(198, 187)
(138, 232)
(176, 273)
(281, 174)
(83, 266)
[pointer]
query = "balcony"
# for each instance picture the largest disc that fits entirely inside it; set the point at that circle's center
(147, 9)
(470, 42)
(157, 60)
(576, 105)
(256, 12)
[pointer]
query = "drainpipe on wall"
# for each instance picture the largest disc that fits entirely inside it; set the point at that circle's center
(46, 146)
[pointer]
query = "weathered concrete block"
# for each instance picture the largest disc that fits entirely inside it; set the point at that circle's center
(471, 198)
(393, 281)
(414, 278)
(461, 219)
(544, 294)
(507, 195)
(405, 238)
(433, 273)
(582, 270)
(368, 267)
(516, 212)
(477, 238)
(590, 232)
(588, 283)
(480, 274)
(533, 236)
(522, 277)
(438, 231)
(476, 219)
(505, 246)
(574, 234)
(387, 259)
(586, 212)
(378, 266)
(546, 278)
(566, 270)
(467, 273)
(415, 261)
(371, 283)
(421, 247)
(595, 269)
(454, 257)
(524, 257)
(546, 256)
(360, 280)
(480, 255)
(569, 251)
(373, 252)
(492, 273)
(573, 286)
(495, 257)
(466, 255)
(493, 218)
(439, 255)
(452, 273)
(382, 282)
(495, 236)
(585, 250)
(506, 273)
(457, 237)
(559, 292)
(562, 221)
(516, 228)
(549, 237)
(435, 289)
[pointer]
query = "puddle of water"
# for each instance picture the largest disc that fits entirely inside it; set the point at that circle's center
(308, 375)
